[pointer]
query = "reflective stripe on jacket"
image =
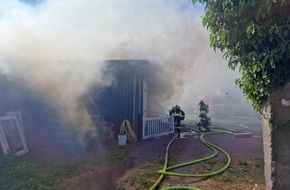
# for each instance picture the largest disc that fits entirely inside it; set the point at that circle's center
(175, 114)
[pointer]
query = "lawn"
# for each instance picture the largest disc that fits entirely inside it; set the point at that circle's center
(246, 172)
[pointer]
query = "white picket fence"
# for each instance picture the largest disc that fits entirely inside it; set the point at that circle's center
(157, 126)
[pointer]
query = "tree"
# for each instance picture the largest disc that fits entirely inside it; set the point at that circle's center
(254, 36)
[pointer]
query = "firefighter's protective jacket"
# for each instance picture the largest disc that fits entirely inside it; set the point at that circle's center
(177, 113)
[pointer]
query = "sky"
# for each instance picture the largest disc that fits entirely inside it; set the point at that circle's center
(31, 2)
(36, 34)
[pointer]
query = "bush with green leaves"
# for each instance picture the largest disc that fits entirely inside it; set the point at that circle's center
(254, 36)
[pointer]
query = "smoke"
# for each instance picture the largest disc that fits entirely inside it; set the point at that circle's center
(43, 42)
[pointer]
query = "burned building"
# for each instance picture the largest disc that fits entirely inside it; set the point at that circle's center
(129, 95)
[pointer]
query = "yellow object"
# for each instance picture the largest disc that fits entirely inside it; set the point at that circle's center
(214, 148)
(127, 129)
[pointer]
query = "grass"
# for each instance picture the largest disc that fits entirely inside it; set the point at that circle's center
(141, 177)
(26, 172)
(33, 172)
(241, 175)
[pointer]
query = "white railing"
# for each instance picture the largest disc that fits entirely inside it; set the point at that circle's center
(157, 126)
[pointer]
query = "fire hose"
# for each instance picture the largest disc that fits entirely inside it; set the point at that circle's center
(127, 129)
(214, 148)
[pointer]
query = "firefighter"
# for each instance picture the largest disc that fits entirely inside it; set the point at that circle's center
(205, 121)
(178, 115)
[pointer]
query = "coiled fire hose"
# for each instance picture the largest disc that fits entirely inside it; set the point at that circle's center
(214, 148)
(127, 129)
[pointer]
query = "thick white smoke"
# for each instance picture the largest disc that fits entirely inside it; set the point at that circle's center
(50, 38)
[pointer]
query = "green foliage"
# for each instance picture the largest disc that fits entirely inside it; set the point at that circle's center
(254, 36)
(34, 171)
(31, 173)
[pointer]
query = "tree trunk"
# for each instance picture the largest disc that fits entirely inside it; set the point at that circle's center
(276, 134)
